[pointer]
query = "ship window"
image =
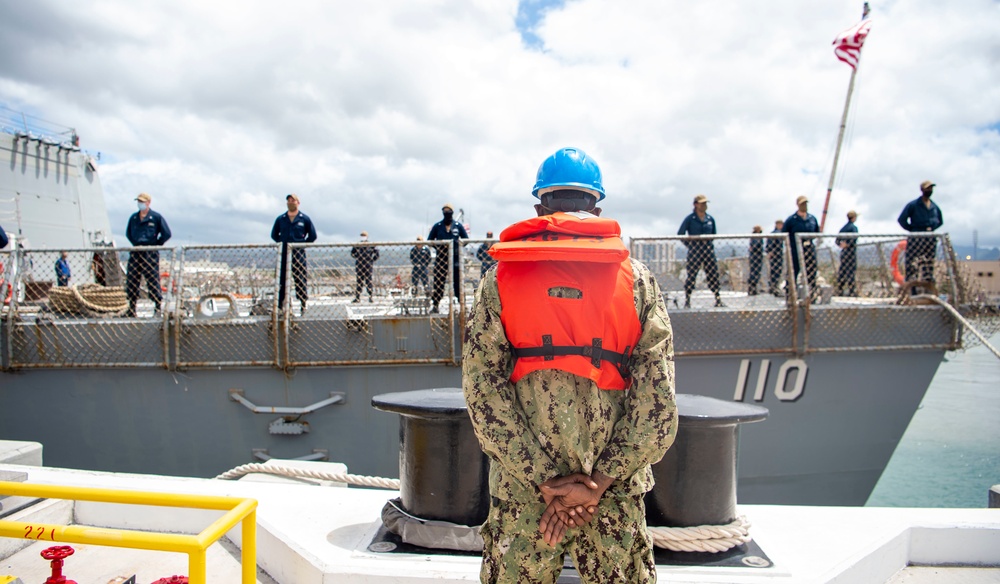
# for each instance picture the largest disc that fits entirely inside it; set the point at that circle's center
(980, 274)
(989, 274)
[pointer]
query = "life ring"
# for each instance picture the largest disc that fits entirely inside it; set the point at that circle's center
(164, 278)
(897, 275)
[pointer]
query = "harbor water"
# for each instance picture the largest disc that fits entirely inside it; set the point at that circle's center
(950, 453)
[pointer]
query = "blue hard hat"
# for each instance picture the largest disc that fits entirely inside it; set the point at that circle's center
(570, 168)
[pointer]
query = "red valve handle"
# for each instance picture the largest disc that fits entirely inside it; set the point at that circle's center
(172, 580)
(59, 552)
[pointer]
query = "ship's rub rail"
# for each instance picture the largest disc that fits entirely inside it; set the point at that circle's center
(220, 304)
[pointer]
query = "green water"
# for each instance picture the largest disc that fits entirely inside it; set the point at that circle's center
(950, 453)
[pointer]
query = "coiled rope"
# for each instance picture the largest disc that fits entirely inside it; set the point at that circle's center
(702, 538)
(87, 298)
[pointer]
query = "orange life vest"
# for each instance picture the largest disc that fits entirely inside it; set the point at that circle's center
(565, 284)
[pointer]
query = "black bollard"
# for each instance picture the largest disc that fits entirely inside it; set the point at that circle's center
(443, 474)
(696, 479)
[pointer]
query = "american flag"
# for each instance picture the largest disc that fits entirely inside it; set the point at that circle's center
(847, 45)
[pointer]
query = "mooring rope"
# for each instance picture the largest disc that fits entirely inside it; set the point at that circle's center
(961, 319)
(703, 538)
(289, 471)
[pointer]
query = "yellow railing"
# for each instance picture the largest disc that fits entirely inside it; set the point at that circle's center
(195, 546)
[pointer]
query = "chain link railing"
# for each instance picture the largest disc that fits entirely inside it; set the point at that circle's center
(225, 313)
(476, 260)
(704, 279)
(7, 275)
(396, 302)
(875, 266)
(6, 280)
(866, 272)
(93, 307)
(364, 303)
(706, 271)
(834, 281)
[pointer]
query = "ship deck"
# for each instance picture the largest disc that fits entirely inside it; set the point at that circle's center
(310, 535)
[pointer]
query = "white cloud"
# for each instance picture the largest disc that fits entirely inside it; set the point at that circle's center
(376, 114)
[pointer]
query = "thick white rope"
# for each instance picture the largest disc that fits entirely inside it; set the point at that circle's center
(961, 319)
(288, 471)
(703, 538)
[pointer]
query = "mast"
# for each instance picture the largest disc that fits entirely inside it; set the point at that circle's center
(843, 117)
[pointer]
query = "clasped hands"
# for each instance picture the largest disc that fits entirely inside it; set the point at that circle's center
(570, 501)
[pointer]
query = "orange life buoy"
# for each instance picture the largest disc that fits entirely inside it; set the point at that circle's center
(164, 277)
(897, 275)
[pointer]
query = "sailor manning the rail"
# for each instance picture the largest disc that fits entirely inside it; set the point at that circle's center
(146, 228)
(293, 226)
(803, 222)
(568, 375)
(700, 252)
(447, 229)
(921, 215)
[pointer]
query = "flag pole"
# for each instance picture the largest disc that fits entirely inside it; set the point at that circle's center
(840, 141)
(843, 118)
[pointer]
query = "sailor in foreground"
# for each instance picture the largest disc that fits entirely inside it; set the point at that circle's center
(568, 375)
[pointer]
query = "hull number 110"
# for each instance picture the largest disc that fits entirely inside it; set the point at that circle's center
(784, 389)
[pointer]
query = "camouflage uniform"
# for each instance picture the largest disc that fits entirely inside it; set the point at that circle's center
(553, 423)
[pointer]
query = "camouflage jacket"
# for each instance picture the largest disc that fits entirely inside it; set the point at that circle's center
(552, 423)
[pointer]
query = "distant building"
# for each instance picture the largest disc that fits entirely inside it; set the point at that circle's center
(985, 276)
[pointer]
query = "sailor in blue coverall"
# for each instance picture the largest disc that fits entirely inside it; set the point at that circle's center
(145, 228)
(803, 222)
(921, 216)
(701, 253)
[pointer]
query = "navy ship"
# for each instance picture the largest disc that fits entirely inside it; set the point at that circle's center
(224, 375)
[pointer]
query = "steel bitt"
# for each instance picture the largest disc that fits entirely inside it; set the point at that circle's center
(696, 479)
(443, 473)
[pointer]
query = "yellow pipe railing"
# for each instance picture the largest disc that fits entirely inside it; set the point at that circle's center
(195, 546)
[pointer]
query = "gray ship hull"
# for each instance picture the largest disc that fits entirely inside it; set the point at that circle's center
(835, 417)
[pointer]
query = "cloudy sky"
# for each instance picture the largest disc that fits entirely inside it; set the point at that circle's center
(376, 113)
